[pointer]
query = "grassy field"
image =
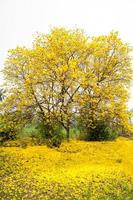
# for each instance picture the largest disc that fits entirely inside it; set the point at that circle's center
(77, 170)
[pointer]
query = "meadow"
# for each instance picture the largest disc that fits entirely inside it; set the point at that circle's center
(77, 170)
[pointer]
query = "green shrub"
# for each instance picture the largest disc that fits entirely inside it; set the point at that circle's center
(74, 132)
(31, 130)
(102, 131)
(52, 135)
(57, 136)
(5, 136)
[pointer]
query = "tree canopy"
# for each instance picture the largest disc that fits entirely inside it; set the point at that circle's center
(67, 76)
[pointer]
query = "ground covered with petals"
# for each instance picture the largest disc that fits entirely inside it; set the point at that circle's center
(76, 171)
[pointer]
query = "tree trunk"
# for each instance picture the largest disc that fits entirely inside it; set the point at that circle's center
(68, 133)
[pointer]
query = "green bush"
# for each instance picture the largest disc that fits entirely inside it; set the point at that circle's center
(53, 135)
(74, 132)
(57, 136)
(5, 136)
(31, 130)
(101, 132)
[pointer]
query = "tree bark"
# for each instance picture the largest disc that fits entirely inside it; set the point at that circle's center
(68, 133)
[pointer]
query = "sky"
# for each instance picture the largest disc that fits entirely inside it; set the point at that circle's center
(21, 19)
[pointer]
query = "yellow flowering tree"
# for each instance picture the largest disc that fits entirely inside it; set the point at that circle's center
(66, 74)
(105, 98)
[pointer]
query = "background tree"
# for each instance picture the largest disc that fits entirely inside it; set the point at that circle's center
(105, 97)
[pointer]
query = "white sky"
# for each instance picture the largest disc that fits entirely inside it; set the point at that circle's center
(20, 19)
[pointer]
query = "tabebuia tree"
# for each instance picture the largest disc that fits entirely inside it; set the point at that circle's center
(68, 76)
